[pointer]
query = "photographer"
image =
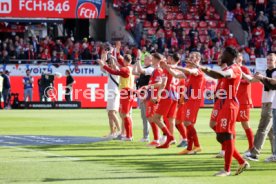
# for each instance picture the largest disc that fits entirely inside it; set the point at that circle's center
(28, 86)
(47, 84)
(69, 84)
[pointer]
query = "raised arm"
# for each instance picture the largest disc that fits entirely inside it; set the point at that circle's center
(173, 72)
(123, 72)
(135, 71)
(188, 71)
(249, 78)
(140, 69)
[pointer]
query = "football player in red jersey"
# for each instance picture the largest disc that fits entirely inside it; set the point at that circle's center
(217, 106)
(126, 85)
(152, 89)
(195, 87)
(226, 120)
(178, 84)
(245, 101)
(165, 94)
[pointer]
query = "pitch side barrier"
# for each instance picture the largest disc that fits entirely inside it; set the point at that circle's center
(91, 83)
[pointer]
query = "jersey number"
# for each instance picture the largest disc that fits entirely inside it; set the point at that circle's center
(223, 123)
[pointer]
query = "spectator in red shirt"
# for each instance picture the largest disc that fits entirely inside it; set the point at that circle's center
(273, 47)
(231, 41)
(174, 41)
(168, 33)
(251, 12)
(46, 55)
(143, 41)
(131, 25)
(252, 55)
(238, 12)
(131, 18)
(207, 54)
(259, 32)
(217, 52)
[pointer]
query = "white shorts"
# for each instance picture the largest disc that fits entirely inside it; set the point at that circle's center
(113, 104)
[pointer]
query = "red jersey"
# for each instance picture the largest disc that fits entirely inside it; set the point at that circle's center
(169, 79)
(273, 33)
(238, 12)
(252, 14)
(131, 19)
(151, 8)
(230, 87)
(155, 78)
(259, 32)
(231, 42)
(181, 87)
(218, 103)
(171, 86)
(244, 91)
(195, 86)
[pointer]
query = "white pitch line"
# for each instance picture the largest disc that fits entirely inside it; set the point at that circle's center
(42, 153)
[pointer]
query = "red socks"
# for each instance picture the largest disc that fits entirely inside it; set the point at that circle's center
(166, 121)
(155, 131)
(192, 137)
(166, 132)
(238, 156)
(231, 151)
(182, 130)
(250, 137)
(169, 138)
(128, 127)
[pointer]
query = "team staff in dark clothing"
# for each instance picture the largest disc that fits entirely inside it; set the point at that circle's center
(69, 83)
(1, 87)
(47, 84)
(6, 92)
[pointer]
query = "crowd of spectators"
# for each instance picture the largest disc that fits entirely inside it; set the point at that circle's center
(258, 19)
(170, 36)
(48, 50)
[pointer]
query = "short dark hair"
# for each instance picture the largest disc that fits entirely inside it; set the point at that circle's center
(28, 70)
(157, 56)
(232, 50)
(176, 57)
(229, 54)
(67, 71)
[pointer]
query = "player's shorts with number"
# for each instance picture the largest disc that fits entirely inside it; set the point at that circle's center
(173, 110)
(164, 106)
(243, 115)
(215, 111)
(151, 108)
(191, 110)
(226, 120)
(126, 102)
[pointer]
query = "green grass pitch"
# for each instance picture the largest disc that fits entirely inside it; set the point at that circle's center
(115, 162)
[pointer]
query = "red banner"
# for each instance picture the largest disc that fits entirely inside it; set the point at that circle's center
(92, 9)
